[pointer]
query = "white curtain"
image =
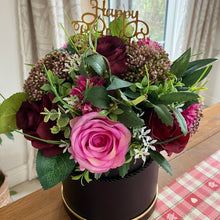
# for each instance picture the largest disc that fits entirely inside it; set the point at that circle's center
(39, 31)
(195, 26)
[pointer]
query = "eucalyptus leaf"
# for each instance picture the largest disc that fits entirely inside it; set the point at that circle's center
(161, 161)
(8, 111)
(62, 122)
(52, 170)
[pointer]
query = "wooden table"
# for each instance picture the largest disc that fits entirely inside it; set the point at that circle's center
(48, 204)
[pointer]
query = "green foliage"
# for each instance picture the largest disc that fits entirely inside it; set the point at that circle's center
(197, 64)
(83, 175)
(97, 63)
(164, 114)
(129, 117)
(177, 97)
(118, 83)
(161, 161)
(52, 170)
(190, 79)
(8, 111)
(61, 118)
(98, 96)
(180, 65)
(123, 170)
(117, 29)
(181, 120)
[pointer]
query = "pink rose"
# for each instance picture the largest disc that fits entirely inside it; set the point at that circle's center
(98, 143)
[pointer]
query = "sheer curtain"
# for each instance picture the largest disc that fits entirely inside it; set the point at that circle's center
(39, 31)
(195, 26)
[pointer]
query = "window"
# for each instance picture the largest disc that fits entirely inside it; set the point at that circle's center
(153, 12)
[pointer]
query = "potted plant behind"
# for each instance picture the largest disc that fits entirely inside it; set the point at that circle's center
(100, 110)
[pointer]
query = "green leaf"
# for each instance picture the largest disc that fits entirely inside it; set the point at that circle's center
(164, 114)
(52, 170)
(176, 97)
(97, 63)
(12, 192)
(123, 170)
(117, 27)
(161, 161)
(129, 118)
(67, 132)
(55, 130)
(8, 111)
(180, 65)
(97, 175)
(63, 122)
(10, 135)
(98, 96)
(118, 83)
(197, 64)
(46, 87)
(190, 79)
(113, 117)
(82, 69)
(181, 120)
(0, 140)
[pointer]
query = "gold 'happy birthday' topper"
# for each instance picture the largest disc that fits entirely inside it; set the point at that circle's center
(128, 18)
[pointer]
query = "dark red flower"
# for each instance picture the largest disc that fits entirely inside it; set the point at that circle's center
(162, 132)
(114, 49)
(32, 123)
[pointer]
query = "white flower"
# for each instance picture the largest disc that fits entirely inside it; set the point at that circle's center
(71, 100)
(65, 145)
(142, 134)
(72, 63)
(142, 153)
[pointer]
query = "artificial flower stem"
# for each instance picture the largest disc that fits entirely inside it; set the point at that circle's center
(171, 139)
(39, 139)
(68, 18)
(199, 78)
(2, 96)
(69, 38)
(56, 93)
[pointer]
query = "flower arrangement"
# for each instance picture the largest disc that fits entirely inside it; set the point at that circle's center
(101, 102)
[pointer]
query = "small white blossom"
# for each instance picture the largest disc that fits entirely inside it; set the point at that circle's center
(142, 134)
(179, 107)
(71, 100)
(72, 63)
(142, 153)
(65, 145)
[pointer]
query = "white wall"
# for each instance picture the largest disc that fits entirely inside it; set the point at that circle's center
(13, 154)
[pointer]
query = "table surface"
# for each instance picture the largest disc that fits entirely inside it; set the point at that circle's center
(48, 204)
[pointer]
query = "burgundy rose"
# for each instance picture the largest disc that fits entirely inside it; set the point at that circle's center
(32, 123)
(114, 49)
(162, 132)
